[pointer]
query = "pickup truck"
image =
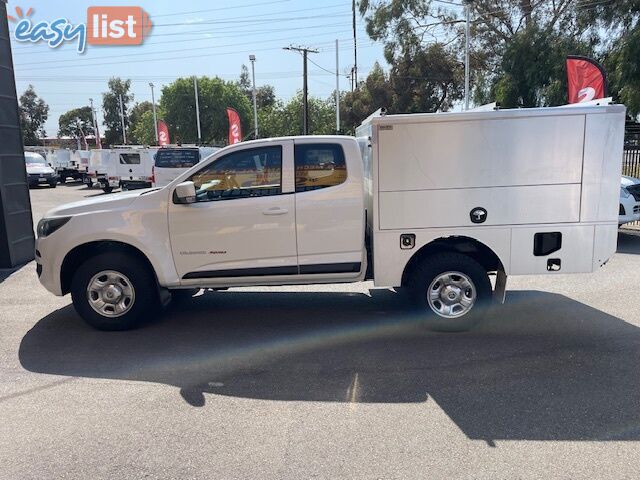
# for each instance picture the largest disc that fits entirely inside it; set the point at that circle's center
(437, 204)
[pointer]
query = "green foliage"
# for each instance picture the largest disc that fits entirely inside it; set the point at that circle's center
(139, 123)
(75, 123)
(143, 130)
(111, 109)
(284, 119)
(33, 115)
(215, 95)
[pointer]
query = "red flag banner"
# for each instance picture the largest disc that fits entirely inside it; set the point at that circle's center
(586, 79)
(163, 133)
(235, 128)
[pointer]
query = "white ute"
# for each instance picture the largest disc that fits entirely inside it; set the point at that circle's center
(435, 203)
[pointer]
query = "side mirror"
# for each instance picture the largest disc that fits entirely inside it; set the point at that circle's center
(184, 194)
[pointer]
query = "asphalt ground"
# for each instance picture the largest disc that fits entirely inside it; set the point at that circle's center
(334, 381)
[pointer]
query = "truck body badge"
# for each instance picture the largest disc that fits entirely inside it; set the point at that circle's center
(478, 215)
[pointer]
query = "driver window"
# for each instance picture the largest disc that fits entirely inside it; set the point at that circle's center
(248, 173)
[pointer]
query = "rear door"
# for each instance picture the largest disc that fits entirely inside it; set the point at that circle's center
(329, 208)
(170, 163)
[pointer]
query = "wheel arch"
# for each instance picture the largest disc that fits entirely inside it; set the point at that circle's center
(471, 247)
(76, 256)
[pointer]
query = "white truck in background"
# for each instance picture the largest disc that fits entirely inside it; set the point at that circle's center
(433, 203)
(134, 166)
(172, 161)
(102, 170)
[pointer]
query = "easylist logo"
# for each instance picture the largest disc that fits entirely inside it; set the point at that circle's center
(117, 25)
(104, 26)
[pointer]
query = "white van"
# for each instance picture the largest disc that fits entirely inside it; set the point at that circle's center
(134, 166)
(102, 170)
(434, 203)
(171, 162)
(39, 172)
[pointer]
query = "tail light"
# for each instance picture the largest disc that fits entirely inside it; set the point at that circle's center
(153, 175)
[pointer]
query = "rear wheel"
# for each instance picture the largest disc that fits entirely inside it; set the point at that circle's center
(107, 189)
(452, 289)
(114, 291)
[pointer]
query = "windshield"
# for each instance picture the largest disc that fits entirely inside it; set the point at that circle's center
(34, 158)
(178, 158)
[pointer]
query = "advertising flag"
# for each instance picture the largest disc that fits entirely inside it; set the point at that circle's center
(163, 133)
(235, 128)
(586, 80)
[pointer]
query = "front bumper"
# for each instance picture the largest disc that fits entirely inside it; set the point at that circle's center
(48, 265)
(42, 179)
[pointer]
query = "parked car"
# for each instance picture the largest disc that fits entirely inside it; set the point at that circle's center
(134, 166)
(171, 162)
(39, 172)
(629, 200)
(433, 203)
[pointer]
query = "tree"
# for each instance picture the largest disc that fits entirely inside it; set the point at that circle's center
(284, 119)
(621, 22)
(215, 95)
(518, 46)
(76, 123)
(33, 115)
(138, 123)
(111, 109)
(265, 94)
(143, 130)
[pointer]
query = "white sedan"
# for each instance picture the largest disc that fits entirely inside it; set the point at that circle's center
(629, 200)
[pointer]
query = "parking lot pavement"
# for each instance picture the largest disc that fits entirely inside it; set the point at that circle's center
(334, 381)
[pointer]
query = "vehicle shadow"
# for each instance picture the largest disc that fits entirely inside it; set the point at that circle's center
(629, 242)
(544, 367)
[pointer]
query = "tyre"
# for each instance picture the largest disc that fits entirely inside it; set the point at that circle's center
(452, 289)
(53, 185)
(107, 189)
(114, 291)
(63, 180)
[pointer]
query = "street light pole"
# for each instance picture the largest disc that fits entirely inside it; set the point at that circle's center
(96, 131)
(466, 53)
(252, 58)
(195, 88)
(155, 117)
(124, 130)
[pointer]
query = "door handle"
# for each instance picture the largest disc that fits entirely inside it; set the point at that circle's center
(275, 211)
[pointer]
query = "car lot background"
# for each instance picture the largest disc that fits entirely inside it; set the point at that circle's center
(333, 381)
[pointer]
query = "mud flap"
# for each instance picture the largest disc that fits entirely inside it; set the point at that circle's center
(500, 292)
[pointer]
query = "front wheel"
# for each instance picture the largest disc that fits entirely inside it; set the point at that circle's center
(452, 289)
(107, 189)
(114, 291)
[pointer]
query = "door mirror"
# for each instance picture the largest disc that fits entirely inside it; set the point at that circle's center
(185, 193)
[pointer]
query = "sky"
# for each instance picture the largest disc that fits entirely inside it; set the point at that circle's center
(199, 37)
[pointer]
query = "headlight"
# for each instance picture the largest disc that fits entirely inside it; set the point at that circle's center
(47, 226)
(624, 193)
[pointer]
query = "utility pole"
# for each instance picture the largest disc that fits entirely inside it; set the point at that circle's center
(466, 53)
(96, 131)
(305, 87)
(124, 130)
(337, 87)
(252, 58)
(195, 88)
(155, 117)
(355, 46)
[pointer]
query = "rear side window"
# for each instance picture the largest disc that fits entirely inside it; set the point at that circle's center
(129, 159)
(177, 158)
(318, 166)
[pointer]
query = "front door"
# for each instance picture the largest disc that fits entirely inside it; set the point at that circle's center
(243, 222)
